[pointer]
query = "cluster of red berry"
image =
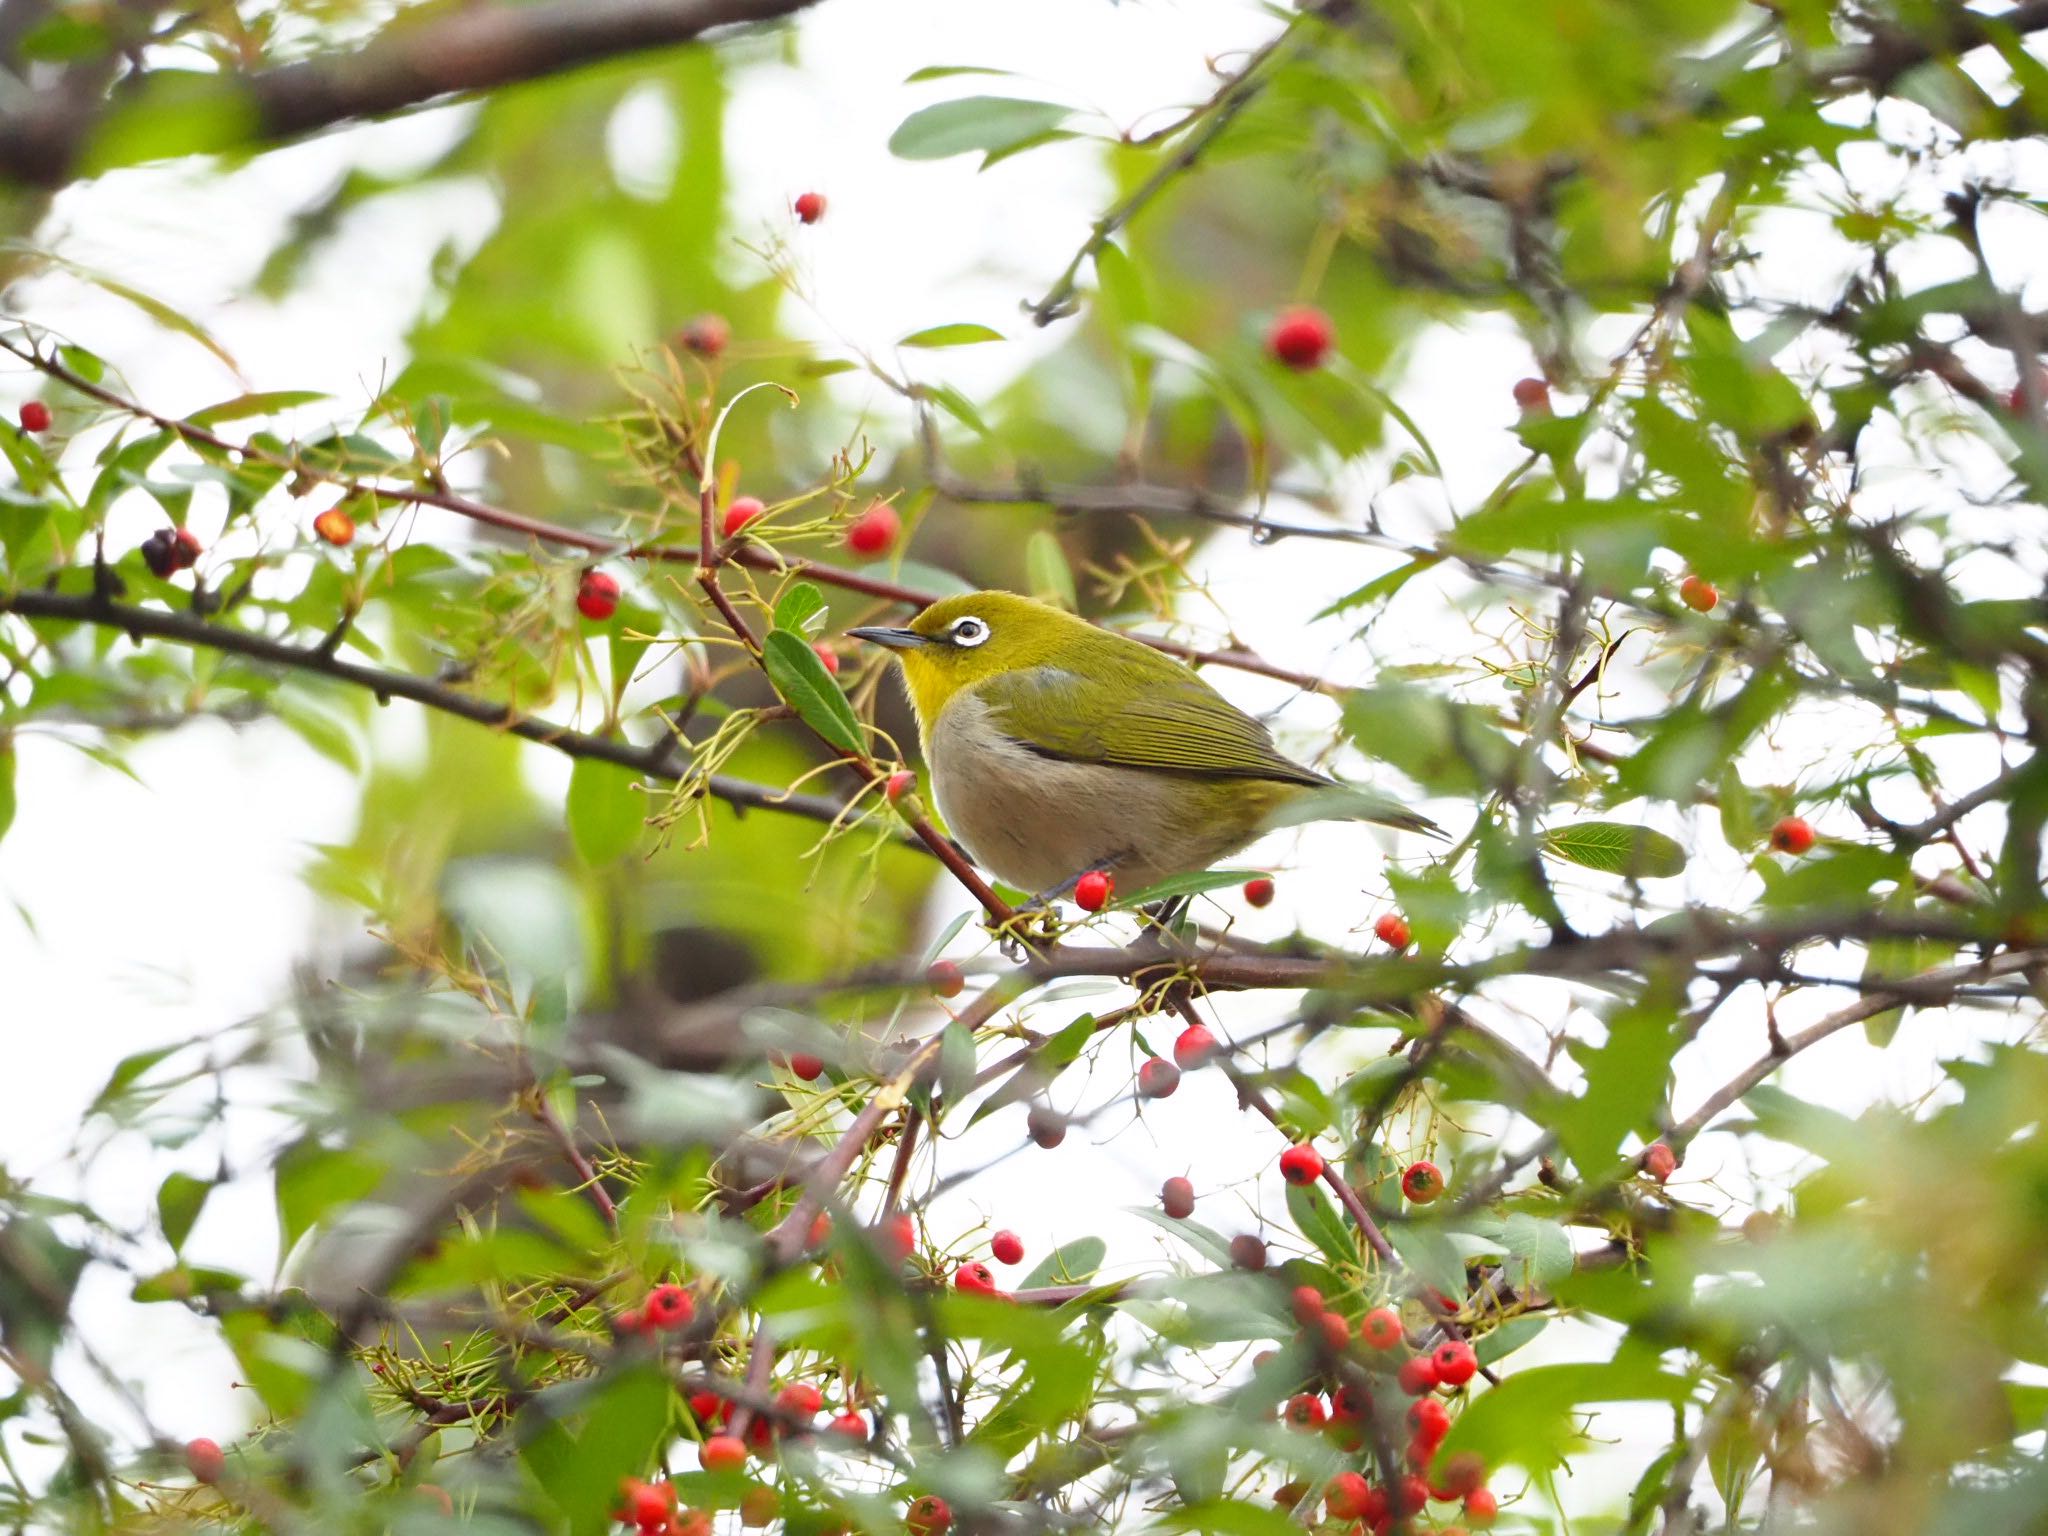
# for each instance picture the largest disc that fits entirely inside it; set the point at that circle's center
(170, 550)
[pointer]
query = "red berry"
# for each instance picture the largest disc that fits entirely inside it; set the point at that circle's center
(1008, 1248)
(827, 655)
(759, 1506)
(1392, 929)
(1301, 1164)
(707, 335)
(1429, 1418)
(1157, 1078)
(1374, 1512)
(806, 1066)
(707, 1408)
(1381, 1328)
(204, 1459)
(1422, 1183)
(35, 417)
(185, 548)
(1794, 834)
(669, 1306)
(1301, 337)
(1349, 1402)
(977, 1279)
(1248, 1252)
(1532, 395)
(1092, 891)
(723, 1453)
(1463, 1473)
(1194, 1047)
(744, 510)
(1177, 1196)
(850, 1427)
(1410, 1494)
(821, 1230)
(1336, 1330)
(800, 1400)
(597, 596)
(335, 526)
(1481, 1506)
(900, 783)
(1304, 1411)
(899, 1237)
(1307, 1305)
(647, 1505)
(945, 979)
(810, 206)
(928, 1516)
(1659, 1161)
(1258, 891)
(1047, 1126)
(1697, 594)
(1455, 1362)
(1347, 1496)
(874, 530)
(630, 1320)
(1417, 1375)
(760, 1435)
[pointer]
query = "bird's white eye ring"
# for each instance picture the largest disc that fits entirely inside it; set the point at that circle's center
(968, 631)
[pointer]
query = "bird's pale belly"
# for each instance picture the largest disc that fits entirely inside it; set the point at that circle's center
(1036, 822)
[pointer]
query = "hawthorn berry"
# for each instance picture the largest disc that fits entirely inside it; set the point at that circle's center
(744, 510)
(821, 1230)
(827, 655)
(1194, 1047)
(1046, 1125)
(806, 1066)
(1463, 1473)
(1422, 1183)
(35, 416)
(929, 1515)
(1698, 594)
(849, 1427)
(1349, 1402)
(707, 335)
(597, 596)
(1532, 396)
(1381, 1328)
(1300, 337)
(647, 1505)
(1092, 891)
(707, 1408)
(336, 527)
(759, 1506)
(1417, 1375)
(669, 1306)
(899, 784)
(1258, 891)
(977, 1279)
(1347, 1496)
(1157, 1078)
(186, 549)
(1301, 1164)
(204, 1459)
(800, 1400)
(1306, 1304)
(629, 1321)
(1455, 1362)
(1481, 1506)
(1008, 1247)
(899, 1236)
(809, 206)
(1392, 929)
(1659, 1161)
(723, 1453)
(1304, 1410)
(1793, 834)
(1336, 1329)
(1429, 1418)
(1410, 1493)
(1248, 1252)
(874, 530)
(1177, 1196)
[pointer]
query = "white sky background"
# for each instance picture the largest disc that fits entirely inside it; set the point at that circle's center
(173, 907)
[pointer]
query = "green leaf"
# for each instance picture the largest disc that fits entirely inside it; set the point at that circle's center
(261, 403)
(961, 333)
(7, 802)
(1068, 1264)
(987, 123)
(618, 1423)
(1507, 1338)
(1186, 885)
(605, 812)
(1317, 1220)
(1430, 1256)
(179, 1200)
(1531, 1418)
(797, 607)
(1617, 848)
(1046, 572)
(1444, 746)
(123, 1077)
(805, 685)
(1541, 1248)
(312, 1180)
(1207, 1241)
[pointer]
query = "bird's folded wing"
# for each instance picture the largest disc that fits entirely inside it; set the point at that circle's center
(1137, 715)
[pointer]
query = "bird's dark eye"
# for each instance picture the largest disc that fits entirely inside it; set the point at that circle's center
(969, 631)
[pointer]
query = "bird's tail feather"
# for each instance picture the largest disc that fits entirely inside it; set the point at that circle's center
(1346, 802)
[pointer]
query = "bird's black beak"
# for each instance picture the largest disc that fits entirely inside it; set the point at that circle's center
(894, 639)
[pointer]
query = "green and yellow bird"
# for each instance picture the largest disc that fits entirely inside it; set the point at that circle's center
(1055, 747)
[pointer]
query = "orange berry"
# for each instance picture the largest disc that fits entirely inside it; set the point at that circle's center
(1392, 929)
(1698, 594)
(1659, 1161)
(1422, 1183)
(335, 526)
(723, 1453)
(1793, 834)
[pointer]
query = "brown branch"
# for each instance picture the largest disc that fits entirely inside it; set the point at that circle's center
(464, 50)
